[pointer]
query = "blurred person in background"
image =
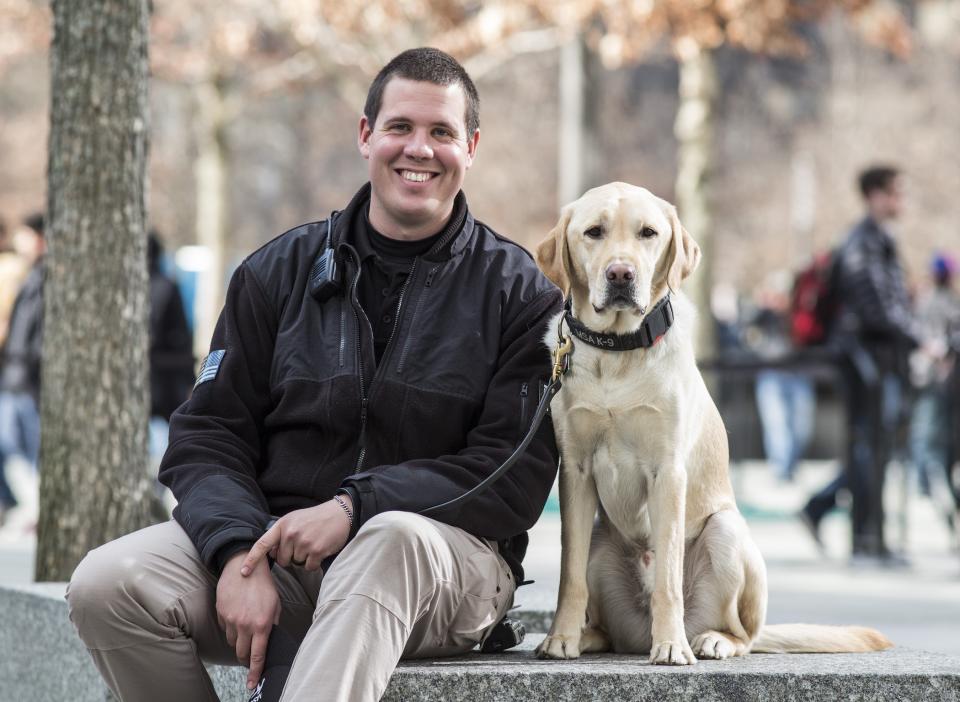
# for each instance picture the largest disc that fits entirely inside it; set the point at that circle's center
(932, 366)
(785, 398)
(13, 267)
(875, 329)
(171, 346)
(20, 376)
(171, 351)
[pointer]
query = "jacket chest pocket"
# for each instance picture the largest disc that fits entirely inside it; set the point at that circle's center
(525, 413)
(531, 394)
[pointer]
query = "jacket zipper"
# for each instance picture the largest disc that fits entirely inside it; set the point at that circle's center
(363, 435)
(524, 391)
(343, 337)
(364, 398)
(362, 441)
(416, 313)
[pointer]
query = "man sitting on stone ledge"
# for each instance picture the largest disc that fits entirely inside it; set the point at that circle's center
(344, 411)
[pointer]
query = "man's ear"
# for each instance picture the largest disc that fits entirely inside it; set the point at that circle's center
(472, 143)
(363, 136)
(685, 252)
(553, 255)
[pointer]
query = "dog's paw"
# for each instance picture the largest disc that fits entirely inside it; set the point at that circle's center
(710, 644)
(559, 647)
(594, 640)
(672, 653)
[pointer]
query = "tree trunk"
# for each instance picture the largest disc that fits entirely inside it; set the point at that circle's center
(694, 132)
(95, 396)
(570, 168)
(211, 170)
(578, 158)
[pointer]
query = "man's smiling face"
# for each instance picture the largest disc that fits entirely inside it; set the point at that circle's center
(418, 153)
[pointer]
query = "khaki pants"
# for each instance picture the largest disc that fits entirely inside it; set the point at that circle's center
(406, 586)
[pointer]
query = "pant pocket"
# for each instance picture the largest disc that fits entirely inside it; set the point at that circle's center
(487, 595)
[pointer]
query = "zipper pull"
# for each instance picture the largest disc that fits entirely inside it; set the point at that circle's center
(430, 276)
(524, 389)
(363, 420)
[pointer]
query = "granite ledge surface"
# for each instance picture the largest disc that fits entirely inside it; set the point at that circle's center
(42, 660)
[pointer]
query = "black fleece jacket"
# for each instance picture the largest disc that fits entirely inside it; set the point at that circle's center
(298, 409)
(875, 304)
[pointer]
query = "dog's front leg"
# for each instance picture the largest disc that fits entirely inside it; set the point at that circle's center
(578, 506)
(667, 514)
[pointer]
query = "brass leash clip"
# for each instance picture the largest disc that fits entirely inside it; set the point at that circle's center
(561, 355)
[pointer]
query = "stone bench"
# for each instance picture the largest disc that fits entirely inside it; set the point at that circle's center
(41, 660)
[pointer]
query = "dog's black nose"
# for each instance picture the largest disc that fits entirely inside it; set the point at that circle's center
(620, 274)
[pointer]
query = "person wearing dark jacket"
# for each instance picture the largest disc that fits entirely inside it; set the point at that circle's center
(20, 361)
(875, 329)
(342, 412)
(171, 341)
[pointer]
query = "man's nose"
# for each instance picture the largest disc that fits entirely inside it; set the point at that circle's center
(620, 274)
(417, 146)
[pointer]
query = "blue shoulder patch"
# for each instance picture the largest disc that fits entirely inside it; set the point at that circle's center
(210, 367)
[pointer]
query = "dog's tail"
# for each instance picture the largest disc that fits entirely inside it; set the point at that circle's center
(818, 638)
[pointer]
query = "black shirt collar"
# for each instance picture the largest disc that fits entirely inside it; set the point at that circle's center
(369, 242)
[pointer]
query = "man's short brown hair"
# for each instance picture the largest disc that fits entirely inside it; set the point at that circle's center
(876, 178)
(431, 66)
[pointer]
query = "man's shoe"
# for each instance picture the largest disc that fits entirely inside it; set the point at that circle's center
(813, 528)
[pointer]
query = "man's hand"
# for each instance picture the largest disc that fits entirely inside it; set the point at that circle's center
(247, 608)
(304, 537)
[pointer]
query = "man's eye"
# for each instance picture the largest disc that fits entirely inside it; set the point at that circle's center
(399, 127)
(593, 233)
(647, 233)
(442, 133)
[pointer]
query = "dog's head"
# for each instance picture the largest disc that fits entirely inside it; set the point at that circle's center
(616, 251)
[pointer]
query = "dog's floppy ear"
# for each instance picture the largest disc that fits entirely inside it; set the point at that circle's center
(684, 252)
(553, 255)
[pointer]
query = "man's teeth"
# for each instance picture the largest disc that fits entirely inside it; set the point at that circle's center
(415, 177)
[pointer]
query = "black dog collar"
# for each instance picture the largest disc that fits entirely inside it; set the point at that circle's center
(654, 326)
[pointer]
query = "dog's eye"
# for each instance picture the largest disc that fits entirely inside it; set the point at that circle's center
(593, 232)
(647, 233)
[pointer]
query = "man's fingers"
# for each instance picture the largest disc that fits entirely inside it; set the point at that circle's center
(260, 549)
(258, 653)
(231, 633)
(243, 646)
(313, 562)
(285, 552)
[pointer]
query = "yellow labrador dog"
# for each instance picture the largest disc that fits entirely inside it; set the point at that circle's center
(671, 567)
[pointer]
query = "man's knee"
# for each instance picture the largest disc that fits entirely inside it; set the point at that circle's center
(390, 548)
(396, 561)
(400, 530)
(130, 586)
(103, 585)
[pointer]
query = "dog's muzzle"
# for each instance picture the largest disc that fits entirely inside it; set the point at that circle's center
(620, 299)
(620, 292)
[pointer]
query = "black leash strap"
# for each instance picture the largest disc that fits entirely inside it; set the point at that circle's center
(561, 363)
